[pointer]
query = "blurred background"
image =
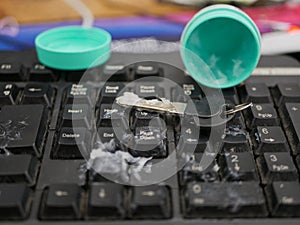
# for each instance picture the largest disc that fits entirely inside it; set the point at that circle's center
(22, 20)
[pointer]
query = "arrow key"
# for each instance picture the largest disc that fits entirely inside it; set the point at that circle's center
(189, 140)
(106, 200)
(269, 139)
(150, 202)
(238, 166)
(61, 201)
(38, 93)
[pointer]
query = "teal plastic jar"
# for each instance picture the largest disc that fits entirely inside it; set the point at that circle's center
(220, 46)
(73, 47)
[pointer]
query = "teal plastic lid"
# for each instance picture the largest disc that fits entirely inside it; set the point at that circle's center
(73, 47)
(220, 46)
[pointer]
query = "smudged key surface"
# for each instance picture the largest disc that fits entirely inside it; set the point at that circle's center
(224, 200)
(23, 128)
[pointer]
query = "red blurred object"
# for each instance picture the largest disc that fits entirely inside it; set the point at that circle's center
(294, 28)
(288, 13)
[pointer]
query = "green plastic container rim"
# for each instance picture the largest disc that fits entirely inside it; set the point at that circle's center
(79, 58)
(213, 12)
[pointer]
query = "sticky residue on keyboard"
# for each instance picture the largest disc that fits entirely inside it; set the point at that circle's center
(114, 164)
(10, 131)
(236, 198)
(194, 167)
(235, 130)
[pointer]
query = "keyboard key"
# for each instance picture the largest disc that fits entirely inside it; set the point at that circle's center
(191, 145)
(194, 170)
(110, 69)
(116, 116)
(73, 143)
(8, 94)
(219, 200)
(291, 123)
(190, 140)
(256, 93)
(237, 120)
(61, 171)
(277, 167)
(187, 131)
(238, 167)
(286, 92)
(148, 142)
(269, 139)
(18, 168)
(61, 201)
(11, 72)
(147, 89)
(77, 116)
(81, 94)
(230, 94)
(14, 201)
(106, 200)
(106, 134)
(235, 139)
(144, 118)
(77, 75)
(116, 72)
(23, 128)
(298, 162)
(39, 72)
(38, 93)
(110, 91)
(229, 186)
(284, 198)
(261, 115)
(205, 108)
(145, 70)
(188, 89)
(150, 202)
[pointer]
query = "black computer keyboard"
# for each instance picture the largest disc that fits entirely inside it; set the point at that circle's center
(45, 179)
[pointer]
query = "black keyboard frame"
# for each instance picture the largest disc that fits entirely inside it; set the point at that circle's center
(29, 57)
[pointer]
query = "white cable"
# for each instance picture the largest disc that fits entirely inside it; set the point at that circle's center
(83, 10)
